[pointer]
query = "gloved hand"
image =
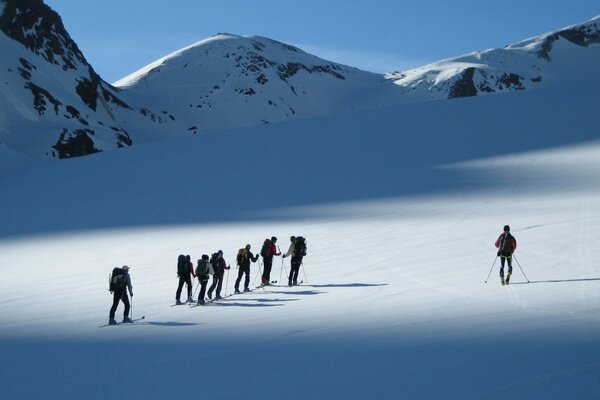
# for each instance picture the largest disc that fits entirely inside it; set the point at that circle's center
(283, 256)
(499, 253)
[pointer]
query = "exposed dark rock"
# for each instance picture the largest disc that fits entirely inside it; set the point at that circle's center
(581, 36)
(464, 86)
(75, 144)
(41, 97)
(512, 81)
(40, 29)
(290, 69)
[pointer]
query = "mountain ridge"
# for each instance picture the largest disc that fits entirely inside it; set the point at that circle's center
(54, 105)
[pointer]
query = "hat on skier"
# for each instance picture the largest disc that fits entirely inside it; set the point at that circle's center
(125, 268)
(273, 239)
(506, 228)
(205, 257)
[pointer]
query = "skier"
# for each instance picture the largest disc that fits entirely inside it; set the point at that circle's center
(185, 273)
(506, 244)
(219, 266)
(120, 282)
(268, 251)
(296, 250)
(203, 272)
(243, 261)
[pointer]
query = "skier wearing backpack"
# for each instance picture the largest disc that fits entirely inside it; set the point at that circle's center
(506, 245)
(203, 272)
(243, 261)
(219, 266)
(297, 251)
(119, 283)
(185, 271)
(268, 250)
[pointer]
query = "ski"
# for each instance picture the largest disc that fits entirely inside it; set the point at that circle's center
(120, 323)
(182, 303)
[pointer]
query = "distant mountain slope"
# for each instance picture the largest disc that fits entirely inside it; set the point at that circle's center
(52, 102)
(231, 81)
(550, 57)
(54, 105)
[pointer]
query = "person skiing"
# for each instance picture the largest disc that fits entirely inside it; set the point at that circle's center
(203, 272)
(506, 245)
(185, 271)
(296, 250)
(120, 282)
(268, 250)
(243, 261)
(219, 266)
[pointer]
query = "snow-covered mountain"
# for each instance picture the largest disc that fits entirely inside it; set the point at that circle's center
(52, 102)
(572, 52)
(230, 81)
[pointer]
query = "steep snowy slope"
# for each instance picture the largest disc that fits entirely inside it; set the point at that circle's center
(231, 81)
(557, 56)
(52, 102)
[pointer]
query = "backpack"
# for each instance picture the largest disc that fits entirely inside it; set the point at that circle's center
(182, 266)
(300, 247)
(506, 244)
(117, 280)
(265, 250)
(202, 269)
(214, 260)
(242, 257)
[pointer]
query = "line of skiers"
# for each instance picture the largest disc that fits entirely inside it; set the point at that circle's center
(120, 281)
(214, 266)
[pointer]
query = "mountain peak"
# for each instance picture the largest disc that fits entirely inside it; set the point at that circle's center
(40, 29)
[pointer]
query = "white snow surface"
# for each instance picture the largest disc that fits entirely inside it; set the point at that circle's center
(400, 206)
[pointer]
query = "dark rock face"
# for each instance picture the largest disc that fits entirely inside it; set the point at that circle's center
(40, 29)
(464, 86)
(583, 35)
(75, 144)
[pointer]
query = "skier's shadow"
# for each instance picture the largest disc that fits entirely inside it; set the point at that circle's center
(253, 303)
(347, 285)
(557, 281)
(168, 323)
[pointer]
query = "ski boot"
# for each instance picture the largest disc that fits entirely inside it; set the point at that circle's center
(127, 319)
(178, 302)
(508, 278)
(246, 289)
(237, 291)
(112, 321)
(502, 280)
(218, 297)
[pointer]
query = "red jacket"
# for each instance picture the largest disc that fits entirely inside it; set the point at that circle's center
(511, 238)
(272, 251)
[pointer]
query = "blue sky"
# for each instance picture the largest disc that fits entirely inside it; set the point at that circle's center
(119, 37)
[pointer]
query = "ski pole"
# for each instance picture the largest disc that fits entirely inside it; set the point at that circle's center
(131, 307)
(488, 277)
(521, 269)
(197, 284)
(227, 281)
(305, 278)
(257, 272)
(281, 270)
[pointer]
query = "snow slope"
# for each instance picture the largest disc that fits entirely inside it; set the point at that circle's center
(563, 55)
(229, 81)
(401, 207)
